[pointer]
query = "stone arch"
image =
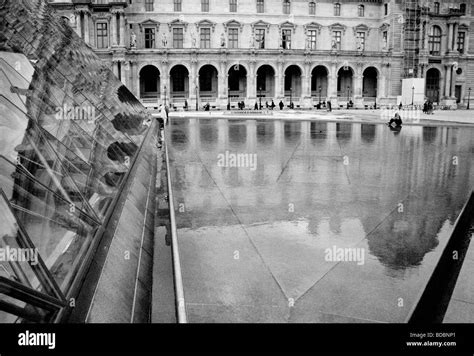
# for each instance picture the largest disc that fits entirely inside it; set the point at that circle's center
(265, 83)
(293, 74)
(237, 81)
(370, 76)
(149, 81)
(319, 81)
(345, 82)
(179, 82)
(432, 84)
(208, 81)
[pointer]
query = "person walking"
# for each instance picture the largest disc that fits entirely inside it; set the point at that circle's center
(163, 114)
(273, 105)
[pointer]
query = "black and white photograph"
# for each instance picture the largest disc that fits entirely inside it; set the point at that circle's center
(237, 165)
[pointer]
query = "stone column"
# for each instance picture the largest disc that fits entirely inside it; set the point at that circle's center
(427, 36)
(450, 37)
(453, 82)
(122, 28)
(222, 84)
(455, 30)
(193, 82)
(124, 68)
(381, 84)
(447, 87)
(165, 88)
(115, 67)
(134, 80)
(114, 27)
(252, 82)
(79, 23)
(279, 82)
(357, 90)
(86, 26)
(306, 86)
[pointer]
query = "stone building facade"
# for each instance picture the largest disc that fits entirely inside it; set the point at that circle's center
(300, 51)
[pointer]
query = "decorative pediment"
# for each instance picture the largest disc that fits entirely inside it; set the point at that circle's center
(148, 23)
(205, 23)
(361, 28)
(260, 24)
(286, 25)
(463, 27)
(384, 27)
(338, 27)
(178, 23)
(233, 23)
(312, 26)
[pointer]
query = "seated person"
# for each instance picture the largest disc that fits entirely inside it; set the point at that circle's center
(397, 120)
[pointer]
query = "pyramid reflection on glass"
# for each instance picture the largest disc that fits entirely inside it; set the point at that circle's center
(69, 131)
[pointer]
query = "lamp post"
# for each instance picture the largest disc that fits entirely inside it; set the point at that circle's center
(228, 98)
(348, 92)
(260, 97)
(413, 95)
(197, 98)
(320, 94)
(468, 99)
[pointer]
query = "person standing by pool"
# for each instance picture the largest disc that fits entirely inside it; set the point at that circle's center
(163, 114)
(281, 105)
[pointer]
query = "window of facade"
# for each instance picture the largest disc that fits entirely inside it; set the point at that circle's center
(149, 5)
(434, 41)
(312, 39)
(385, 39)
(361, 10)
(260, 6)
(385, 9)
(286, 39)
(436, 7)
(260, 37)
(286, 6)
(336, 39)
(233, 5)
(102, 35)
(337, 9)
(361, 41)
(205, 5)
(462, 8)
(233, 38)
(205, 38)
(177, 38)
(312, 8)
(149, 38)
(177, 5)
(461, 41)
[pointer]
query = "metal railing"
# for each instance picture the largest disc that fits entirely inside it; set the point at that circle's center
(178, 278)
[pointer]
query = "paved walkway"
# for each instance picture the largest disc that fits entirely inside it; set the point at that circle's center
(461, 305)
(444, 117)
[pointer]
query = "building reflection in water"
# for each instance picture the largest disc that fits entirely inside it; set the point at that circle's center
(302, 164)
